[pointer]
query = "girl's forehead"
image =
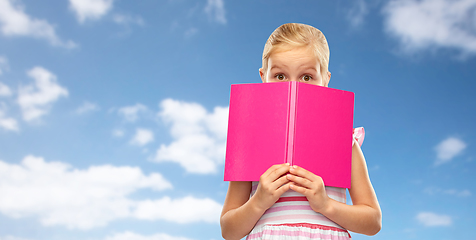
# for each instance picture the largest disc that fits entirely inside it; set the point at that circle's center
(290, 48)
(294, 54)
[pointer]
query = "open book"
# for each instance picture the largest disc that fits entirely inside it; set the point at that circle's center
(302, 124)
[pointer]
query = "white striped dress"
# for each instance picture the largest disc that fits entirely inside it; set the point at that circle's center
(292, 218)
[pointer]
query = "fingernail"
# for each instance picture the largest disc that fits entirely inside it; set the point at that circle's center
(294, 166)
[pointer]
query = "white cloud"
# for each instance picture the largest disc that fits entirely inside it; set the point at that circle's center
(428, 24)
(58, 194)
(117, 133)
(127, 20)
(216, 11)
(135, 236)
(453, 192)
(185, 210)
(15, 22)
(448, 149)
(90, 9)
(191, 32)
(3, 64)
(86, 107)
(7, 123)
(142, 137)
(462, 193)
(36, 99)
(131, 113)
(5, 90)
(199, 137)
(357, 13)
(9, 237)
(430, 219)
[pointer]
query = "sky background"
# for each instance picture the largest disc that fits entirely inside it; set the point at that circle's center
(113, 113)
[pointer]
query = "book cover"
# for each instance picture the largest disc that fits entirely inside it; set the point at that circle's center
(303, 124)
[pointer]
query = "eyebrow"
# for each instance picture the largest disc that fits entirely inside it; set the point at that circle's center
(303, 67)
(278, 67)
(307, 67)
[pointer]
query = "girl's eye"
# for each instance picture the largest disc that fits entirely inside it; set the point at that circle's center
(306, 78)
(280, 77)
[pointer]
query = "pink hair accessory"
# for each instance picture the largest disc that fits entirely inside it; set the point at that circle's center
(358, 135)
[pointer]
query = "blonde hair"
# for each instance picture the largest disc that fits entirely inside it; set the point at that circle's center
(292, 35)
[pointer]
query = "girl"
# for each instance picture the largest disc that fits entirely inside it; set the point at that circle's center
(291, 202)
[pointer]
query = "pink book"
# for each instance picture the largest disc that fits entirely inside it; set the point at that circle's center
(299, 123)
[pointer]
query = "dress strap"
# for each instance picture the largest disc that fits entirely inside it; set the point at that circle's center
(358, 135)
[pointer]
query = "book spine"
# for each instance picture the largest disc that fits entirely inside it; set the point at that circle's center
(291, 122)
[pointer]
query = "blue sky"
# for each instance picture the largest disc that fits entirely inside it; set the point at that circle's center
(113, 113)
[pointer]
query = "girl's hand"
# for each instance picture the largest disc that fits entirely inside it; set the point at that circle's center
(272, 184)
(311, 186)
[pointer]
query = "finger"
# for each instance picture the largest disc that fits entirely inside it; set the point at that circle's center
(301, 172)
(281, 190)
(298, 189)
(300, 181)
(265, 177)
(269, 170)
(279, 171)
(279, 182)
(272, 170)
